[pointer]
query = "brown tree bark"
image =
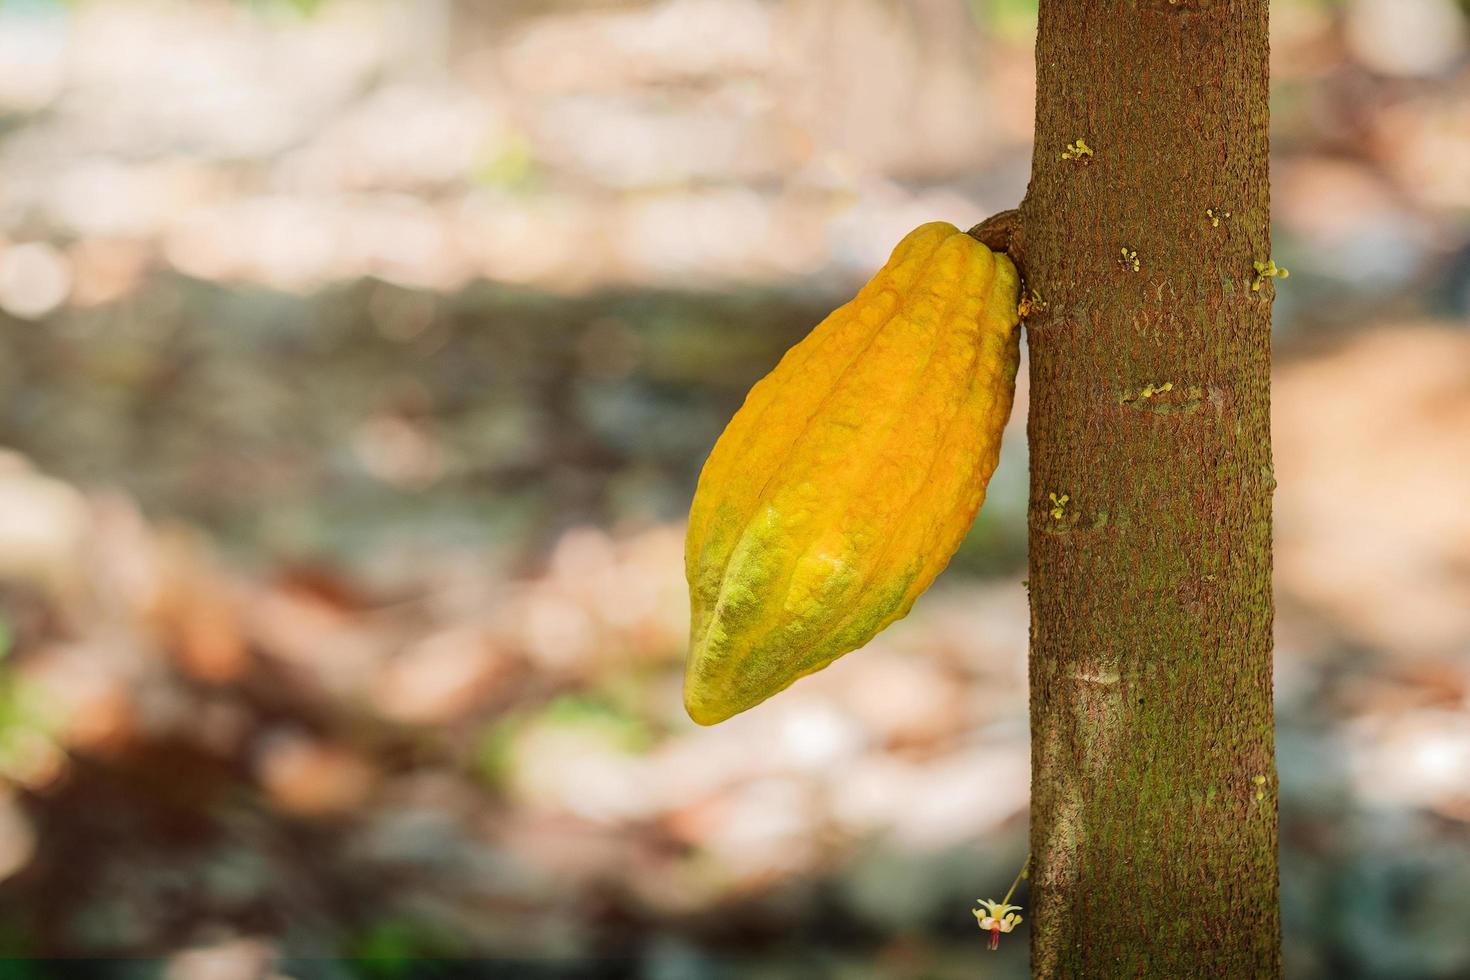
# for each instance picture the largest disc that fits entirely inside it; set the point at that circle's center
(1154, 789)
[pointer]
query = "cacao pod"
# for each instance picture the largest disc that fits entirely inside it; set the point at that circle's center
(846, 481)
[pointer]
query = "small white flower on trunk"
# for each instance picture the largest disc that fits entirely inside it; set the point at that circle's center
(997, 917)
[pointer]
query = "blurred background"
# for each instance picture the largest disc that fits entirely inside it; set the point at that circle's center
(357, 360)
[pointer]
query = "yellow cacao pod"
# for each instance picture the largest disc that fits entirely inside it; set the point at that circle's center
(846, 481)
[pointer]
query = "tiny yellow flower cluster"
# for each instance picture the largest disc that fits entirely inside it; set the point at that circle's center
(1031, 304)
(1267, 270)
(1130, 259)
(1260, 782)
(1058, 505)
(1150, 390)
(1215, 216)
(1077, 151)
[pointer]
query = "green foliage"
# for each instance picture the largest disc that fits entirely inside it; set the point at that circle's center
(394, 948)
(492, 754)
(300, 8)
(511, 166)
(604, 718)
(15, 944)
(21, 716)
(1010, 20)
(617, 727)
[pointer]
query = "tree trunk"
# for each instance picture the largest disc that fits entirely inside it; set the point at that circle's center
(1154, 790)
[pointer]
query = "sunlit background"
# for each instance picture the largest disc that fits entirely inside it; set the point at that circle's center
(356, 363)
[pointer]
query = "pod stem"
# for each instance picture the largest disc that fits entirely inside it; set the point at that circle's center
(1025, 868)
(1001, 232)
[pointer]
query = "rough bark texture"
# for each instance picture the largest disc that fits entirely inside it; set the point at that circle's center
(1154, 786)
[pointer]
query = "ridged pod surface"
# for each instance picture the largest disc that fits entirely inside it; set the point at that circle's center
(846, 481)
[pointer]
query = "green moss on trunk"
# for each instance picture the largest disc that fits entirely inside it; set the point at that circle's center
(1154, 787)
